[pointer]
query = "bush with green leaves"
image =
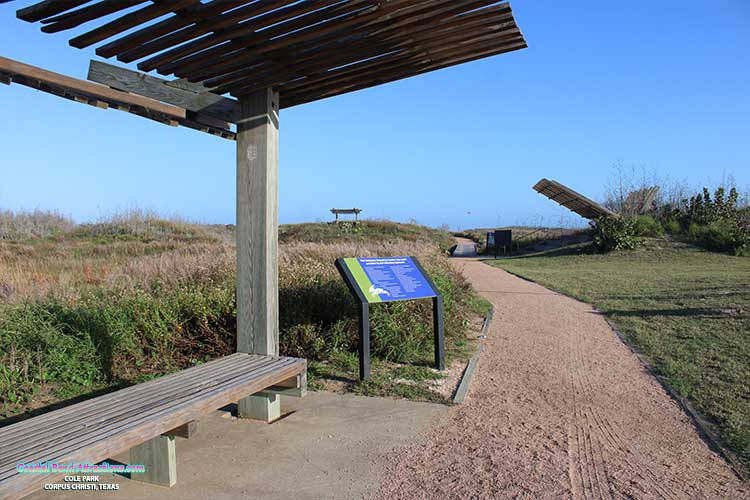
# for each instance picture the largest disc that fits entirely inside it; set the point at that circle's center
(720, 236)
(616, 233)
(671, 226)
(645, 225)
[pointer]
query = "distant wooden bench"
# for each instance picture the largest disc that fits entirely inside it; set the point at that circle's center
(346, 211)
(144, 419)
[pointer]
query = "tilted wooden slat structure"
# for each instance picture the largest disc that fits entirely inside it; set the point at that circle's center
(304, 49)
(572, 200)
(232, 65)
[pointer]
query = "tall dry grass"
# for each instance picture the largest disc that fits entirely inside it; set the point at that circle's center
(32, 225)
(118, 302)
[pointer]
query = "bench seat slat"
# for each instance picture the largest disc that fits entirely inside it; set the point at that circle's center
(117, 435)
(73, 422)
(119, 409)
(123, 394)
(128, 416)
(58, 450)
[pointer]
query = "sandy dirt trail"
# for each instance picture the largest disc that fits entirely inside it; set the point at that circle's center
(559, 408)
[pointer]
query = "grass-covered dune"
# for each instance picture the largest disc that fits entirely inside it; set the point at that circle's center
(92, 307)
(686, 309)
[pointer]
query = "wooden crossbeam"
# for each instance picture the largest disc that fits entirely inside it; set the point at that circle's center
(127, 80)
(103, 92)
(103, 96)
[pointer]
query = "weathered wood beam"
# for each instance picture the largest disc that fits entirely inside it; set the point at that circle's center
(42, 10)
(95, 90)
(128, 21)
(295, 387)
(235, 38)
(241, 45)
(243, 53)
(257, 239)
(85, 14)
(415, 51)
(185, 431)
(428, 55)
(260, 13)
(213, 105)
(296, 99)
(186, 17)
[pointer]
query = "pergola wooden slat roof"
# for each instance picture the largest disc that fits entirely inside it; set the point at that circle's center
(572, 200)
(304, 49)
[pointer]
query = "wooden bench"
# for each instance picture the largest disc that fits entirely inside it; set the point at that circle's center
(144, 419)
(346, 211)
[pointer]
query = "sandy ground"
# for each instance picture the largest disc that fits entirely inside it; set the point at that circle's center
(323, 449)
(559, 408)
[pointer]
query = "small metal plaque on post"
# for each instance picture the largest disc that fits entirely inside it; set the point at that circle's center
(386, 279)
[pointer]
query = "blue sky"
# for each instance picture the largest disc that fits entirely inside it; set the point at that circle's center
(663, 85)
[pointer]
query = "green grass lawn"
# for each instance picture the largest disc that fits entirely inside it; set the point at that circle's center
(686, 309)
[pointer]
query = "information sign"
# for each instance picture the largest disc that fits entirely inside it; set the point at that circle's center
(373, 280)
(385, 279)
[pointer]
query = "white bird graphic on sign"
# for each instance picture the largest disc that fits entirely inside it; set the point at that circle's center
(377, 291)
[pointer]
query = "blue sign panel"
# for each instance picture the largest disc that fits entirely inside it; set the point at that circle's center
(394, 278)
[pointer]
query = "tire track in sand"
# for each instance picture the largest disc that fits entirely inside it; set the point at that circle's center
(559, 408)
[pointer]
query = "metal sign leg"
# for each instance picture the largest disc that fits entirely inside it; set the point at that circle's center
(437, 321)
(364, 341)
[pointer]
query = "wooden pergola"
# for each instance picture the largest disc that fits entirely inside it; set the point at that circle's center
(572, 200)
(235, 64)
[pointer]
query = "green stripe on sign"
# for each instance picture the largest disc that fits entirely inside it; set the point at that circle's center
(363, 282)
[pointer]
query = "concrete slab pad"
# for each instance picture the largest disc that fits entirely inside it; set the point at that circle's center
(324, 448)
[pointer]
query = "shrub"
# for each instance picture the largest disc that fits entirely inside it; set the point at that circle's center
(615, 233)
(721, 236)
(671, 226)
(645, 225)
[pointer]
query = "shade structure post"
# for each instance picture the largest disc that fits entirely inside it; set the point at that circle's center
(257, 239)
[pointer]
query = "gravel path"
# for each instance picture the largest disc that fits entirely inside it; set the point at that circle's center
(465, 248)
(559, 408)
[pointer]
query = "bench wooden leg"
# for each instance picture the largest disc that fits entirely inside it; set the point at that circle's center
(265, 407)
(160, 459)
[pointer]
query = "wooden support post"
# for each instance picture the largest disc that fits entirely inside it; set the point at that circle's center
(159, 457)
(257, 239)
(186, 431)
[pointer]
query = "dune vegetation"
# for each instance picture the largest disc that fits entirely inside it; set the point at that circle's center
(93, 307)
